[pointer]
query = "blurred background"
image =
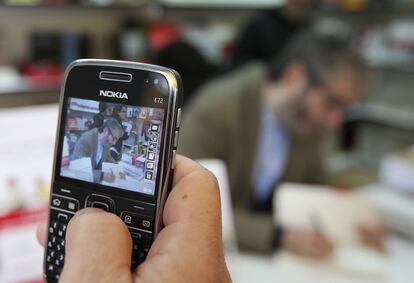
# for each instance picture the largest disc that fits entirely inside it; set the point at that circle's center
(368, 158)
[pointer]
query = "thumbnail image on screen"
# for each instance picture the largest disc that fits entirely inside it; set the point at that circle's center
(112, 144)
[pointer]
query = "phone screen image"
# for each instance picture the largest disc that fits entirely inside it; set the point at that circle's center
(115, 145)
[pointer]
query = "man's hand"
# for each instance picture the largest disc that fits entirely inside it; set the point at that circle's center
(374, 236)
(307, 243)
(109, 177)
(188, 249)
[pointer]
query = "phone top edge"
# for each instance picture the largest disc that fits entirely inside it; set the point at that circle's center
(120, 63)
(171, 75)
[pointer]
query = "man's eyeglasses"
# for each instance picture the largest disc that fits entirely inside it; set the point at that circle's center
(332, 102)
(113, 136)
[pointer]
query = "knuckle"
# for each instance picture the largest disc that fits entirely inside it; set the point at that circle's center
(94, 220)
(211, 179)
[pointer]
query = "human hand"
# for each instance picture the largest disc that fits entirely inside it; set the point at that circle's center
(373, 236)
(188, 249)
(307, 243)
(122, 175)
(109, 177)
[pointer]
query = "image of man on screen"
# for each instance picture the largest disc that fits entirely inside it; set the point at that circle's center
(95, 144)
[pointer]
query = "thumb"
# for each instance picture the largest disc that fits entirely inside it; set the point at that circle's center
(98, 248)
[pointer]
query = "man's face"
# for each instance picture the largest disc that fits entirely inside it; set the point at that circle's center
(110, 137)
(108, 111)
(323, 106)
(123, 113)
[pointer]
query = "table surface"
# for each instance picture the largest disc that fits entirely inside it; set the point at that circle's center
(396, 267)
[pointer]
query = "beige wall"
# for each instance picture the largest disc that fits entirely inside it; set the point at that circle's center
(16, 25)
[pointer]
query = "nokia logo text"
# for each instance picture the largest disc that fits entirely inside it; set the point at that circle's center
(114, 94)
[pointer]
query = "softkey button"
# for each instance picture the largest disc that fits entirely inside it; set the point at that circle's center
(61, 202)
(136, 221)
(145, 224)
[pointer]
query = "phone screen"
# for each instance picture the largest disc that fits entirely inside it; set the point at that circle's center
(115, 145)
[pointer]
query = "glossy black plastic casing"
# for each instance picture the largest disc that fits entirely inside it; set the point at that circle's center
(83, 80)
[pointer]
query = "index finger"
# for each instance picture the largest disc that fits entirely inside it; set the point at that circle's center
(184, 167)
(195, 193)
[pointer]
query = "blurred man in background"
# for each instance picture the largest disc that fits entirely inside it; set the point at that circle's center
(95, 144)
(266, 122)
(269, 31)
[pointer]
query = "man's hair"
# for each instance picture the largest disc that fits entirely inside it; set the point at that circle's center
(102, 106)
(319, 55)
(117, 109)
(113, 125)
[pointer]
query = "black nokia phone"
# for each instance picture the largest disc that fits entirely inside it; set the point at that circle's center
(115, 150)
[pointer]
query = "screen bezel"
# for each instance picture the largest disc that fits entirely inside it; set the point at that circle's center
(86, 77)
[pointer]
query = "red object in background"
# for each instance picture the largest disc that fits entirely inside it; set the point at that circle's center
(22, 217)
(228, 50)
(43, 75)
(162, 34)
(16, 228)
(73, 124)
(65, 161)
(134, 159)
(342, 188)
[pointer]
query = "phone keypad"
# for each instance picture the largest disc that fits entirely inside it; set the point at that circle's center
(65, 203)
(63, 208)
(141, 236)
(141, 242)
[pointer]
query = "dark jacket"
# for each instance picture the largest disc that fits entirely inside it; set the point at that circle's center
(119, 144)
(264, 37)
(86, 146)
